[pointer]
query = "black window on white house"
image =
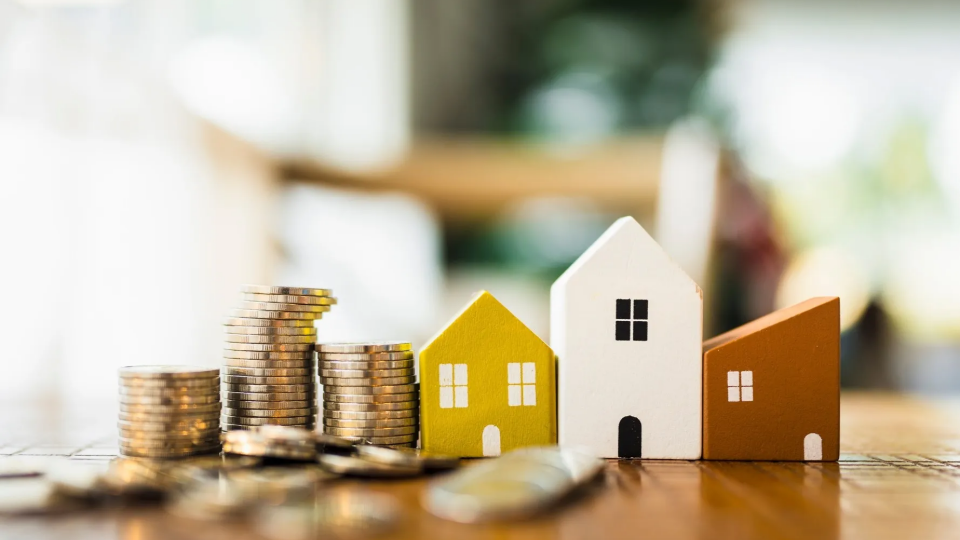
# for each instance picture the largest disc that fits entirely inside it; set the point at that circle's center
(632, 319)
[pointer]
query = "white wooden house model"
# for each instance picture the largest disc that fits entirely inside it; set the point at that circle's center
(626, 325)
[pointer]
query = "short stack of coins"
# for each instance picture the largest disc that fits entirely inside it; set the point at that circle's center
(269, 373)
(169, 411)
(370, 392)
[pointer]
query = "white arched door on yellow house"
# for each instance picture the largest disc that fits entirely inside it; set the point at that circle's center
(491, 441)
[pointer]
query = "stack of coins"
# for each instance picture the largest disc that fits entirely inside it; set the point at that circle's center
(169, 411)
(370, 392)
(269, 375)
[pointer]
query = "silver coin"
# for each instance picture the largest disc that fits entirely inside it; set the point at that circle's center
(374, 415)
(169, 400)
(412, 397)
(260, 449)
(271, 330)
(326, 442)
(366, 347)
(269, 372)
(379, 441)
(270, 396)
(270, 388)
(269, 347)
(268, 405)
(372, 382)
(170, 383)
(170, 417)
(407, 456)
(354, 466)
(371, 424)
(241, 379)
(370, 432)
(247, 338)
(287, 435)
(269, 323)
(271, 306)
(269, 364)
(290, 299)
(280, 315)
(365, 373)
(278, 421)
(371, 407)
(298, 291)
(192, 436)
(365, 357)
(269, 413)
(194, 424)
(371, 390)
(348, 365)
(158, 391)
(266, 355)
(167, 372)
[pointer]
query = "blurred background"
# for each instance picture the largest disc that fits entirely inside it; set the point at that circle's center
(156, 154)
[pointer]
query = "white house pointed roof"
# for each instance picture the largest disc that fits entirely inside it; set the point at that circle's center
(625, 233)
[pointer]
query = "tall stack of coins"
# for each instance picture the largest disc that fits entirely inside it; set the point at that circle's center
(269, 375)
(169, 411)
(370, 392)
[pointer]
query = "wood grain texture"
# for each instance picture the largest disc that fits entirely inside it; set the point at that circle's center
(487, 384)
(774, 384)
(898, 477)
(612, 385)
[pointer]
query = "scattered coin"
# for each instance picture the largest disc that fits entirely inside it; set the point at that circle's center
(209, 499)
(342, 514)
(276, 485)
(355, 466)
(388, 441)
(408, 457)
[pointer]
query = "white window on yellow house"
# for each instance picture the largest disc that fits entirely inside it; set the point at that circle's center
(453, 386)
(521, 384)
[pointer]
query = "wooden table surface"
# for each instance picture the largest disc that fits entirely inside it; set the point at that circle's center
(898, 477)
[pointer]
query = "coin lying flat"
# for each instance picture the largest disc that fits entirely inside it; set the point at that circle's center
(328, 443)
(167, 372)
(270, 413)
(298, 291)
(271, 306)
(281, 315)
(241, 379)
(411, 397)
(368, 347)
(282, 421)
(265, 449)
(174, 392)
(366, 373)
(290, 299)
(372, 382)
(371, 423)
(168, 400)
(373, 415)
(516, 485)
(270, 396)
(269, 388)
(303, 363)
(365, 357)
(269, 322)
(343, 514)
(373, 390)
(371, 366)
(269, 405)
(399, 406)
(268, 347)
(269, 372)
(271, 330)
(179, 424)
(396, 440)
(407, 456)
(279, 485)
(247, 338)
(203, 382)
(370, 432)
(354, 466)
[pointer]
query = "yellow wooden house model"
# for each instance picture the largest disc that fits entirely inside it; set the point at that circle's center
(487, 385)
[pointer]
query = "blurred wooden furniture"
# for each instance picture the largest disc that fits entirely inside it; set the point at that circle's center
(898, 478)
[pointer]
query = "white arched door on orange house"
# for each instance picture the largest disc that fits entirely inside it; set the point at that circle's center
(491, 441)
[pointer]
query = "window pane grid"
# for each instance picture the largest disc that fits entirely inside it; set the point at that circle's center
(632, 320)
(739, 386)
(453, 386)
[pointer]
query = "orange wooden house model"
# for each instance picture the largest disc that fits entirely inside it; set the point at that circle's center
(771, 388)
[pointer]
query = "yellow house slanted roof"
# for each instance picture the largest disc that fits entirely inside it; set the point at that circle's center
(491, 346)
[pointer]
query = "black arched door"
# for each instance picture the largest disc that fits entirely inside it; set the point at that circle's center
(629, 437)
